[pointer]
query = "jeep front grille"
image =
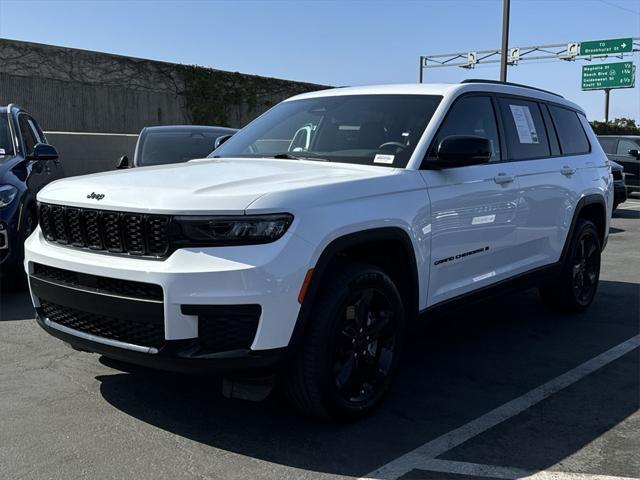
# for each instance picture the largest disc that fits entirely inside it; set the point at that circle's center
(102, 230)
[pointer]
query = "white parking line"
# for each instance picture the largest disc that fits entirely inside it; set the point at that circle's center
(508, 473)
(421, 456)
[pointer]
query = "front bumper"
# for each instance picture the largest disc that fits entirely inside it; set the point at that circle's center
(191, 281)
(183, 356)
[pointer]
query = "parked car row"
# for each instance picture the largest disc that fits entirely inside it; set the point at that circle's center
(624, 150)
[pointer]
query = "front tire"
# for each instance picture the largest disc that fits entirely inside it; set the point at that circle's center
(574, 289)
(352, 345)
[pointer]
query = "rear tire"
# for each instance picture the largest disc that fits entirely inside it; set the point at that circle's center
(574, 289)
(352, 345)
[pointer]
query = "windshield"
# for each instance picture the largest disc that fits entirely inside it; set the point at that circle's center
(380, 130)
(6, 146)
(174, 146)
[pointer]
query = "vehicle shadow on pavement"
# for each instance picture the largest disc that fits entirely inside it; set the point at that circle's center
(626, 213)
(454, 371)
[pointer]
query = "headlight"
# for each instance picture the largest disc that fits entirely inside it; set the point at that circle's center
(237, 230)
(7, 194)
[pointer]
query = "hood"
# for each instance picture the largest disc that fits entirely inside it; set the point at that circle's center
(220, 186)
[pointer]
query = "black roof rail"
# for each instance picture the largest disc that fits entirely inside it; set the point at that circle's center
(498, 82)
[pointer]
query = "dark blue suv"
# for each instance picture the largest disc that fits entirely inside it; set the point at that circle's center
(27, 163)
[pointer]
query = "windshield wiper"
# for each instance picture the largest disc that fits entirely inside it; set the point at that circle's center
(288, 156)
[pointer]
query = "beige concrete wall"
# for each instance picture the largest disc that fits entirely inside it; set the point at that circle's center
(83, 91)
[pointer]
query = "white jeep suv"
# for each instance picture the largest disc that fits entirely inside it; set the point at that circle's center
(309, 241)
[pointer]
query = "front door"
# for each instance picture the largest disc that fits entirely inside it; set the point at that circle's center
(473, 219)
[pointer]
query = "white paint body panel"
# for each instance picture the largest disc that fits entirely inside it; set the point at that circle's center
(524, 223)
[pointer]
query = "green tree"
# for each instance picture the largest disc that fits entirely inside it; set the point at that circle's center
(619, 126)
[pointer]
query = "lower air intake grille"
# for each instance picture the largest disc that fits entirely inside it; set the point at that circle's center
(125, 288)
(225, 327)
(142, 334)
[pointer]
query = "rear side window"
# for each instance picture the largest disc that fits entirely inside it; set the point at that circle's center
(573, 140)
(525, 131)
(28, 135)
(609, 145)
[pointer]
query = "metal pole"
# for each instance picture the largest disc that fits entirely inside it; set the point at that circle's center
(421, 69)
(505, 40)
(606, 104)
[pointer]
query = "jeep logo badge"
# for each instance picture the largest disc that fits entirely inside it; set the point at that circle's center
(95, 196)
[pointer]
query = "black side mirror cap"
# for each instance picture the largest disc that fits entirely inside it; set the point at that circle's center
(43, 151)
(123, 162)
(634, 152)
(220, 140)
(461, 151)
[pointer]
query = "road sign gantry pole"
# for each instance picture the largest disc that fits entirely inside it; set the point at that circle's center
(505, 40)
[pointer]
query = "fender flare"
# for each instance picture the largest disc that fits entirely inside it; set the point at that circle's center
(590, 199)
(330, 253)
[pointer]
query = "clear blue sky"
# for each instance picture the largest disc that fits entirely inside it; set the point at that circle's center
(344, 42)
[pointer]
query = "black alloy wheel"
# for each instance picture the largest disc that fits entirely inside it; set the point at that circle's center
(365, 347)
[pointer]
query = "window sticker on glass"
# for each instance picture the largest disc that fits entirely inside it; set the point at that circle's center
(386, 159)
(524, 124)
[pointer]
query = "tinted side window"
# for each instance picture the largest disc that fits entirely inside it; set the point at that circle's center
(27, 134)
(609, 145)
(470, 116)
(573, 140)
(39, 132)
(525, 130)
(625, 145)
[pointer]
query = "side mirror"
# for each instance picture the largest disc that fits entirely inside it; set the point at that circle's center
(462, 150)
(43, 151)
(634, 152)
(220, 140)
(123, 162)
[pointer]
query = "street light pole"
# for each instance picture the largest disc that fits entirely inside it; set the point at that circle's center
(505, 40)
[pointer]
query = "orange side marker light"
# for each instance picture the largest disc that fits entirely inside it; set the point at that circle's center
(305, 286)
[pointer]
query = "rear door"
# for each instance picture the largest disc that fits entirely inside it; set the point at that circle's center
(544, 191)
(548, 176)
(473, 207)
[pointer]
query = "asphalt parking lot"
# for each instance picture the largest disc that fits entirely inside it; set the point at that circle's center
(503, 389)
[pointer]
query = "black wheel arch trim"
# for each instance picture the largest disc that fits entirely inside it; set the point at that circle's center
(330, 253)
(590, 199)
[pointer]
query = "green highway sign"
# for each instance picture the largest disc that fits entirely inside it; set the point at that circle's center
(606, 47)
(608, 75)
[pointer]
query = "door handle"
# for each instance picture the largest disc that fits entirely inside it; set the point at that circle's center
(503, 178)
(567, 171)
